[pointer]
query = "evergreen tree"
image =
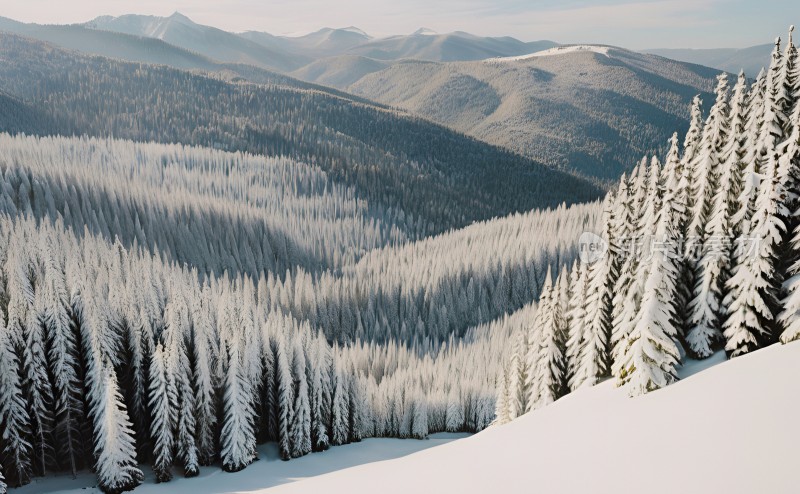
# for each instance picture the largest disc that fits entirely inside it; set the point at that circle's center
(14, 418)
(115, 448)
(300, 429)
(162, 421)
(63, 360)
(576, 321)
(651, 356)
(237, 438)
(286, 398)
(549, 383)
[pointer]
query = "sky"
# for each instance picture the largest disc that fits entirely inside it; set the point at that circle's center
(635, 24)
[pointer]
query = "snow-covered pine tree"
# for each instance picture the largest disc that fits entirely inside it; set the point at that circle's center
(714, 267)
(706, 171)
(62, 359)
(162, 422)
(548, 379)
(356, 407)
(790, 315)
(179, 372)
(3, 486)
(419, 428)
(14, 419)
(576, 321)
(594, 359)
(320, 394)
(237, 438)
(26, 330)
(685, 166)
(651, 356)
(340, 412)
(455, 413)
(752, 303)
(286, 397)
(115, 448)
(205, 349)
(300, 428)
(502, 409)
(648, 201)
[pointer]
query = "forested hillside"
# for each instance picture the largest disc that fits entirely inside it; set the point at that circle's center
(440, 178)
(593, 111)
(702, 255)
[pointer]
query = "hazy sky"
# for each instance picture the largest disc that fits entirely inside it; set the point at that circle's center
(632, 24)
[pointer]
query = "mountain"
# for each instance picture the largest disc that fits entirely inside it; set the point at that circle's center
(594, 110)
(751, 60)
(619, 444)
(181, 31)
(323, 43)
(458, 46)
(440, 178)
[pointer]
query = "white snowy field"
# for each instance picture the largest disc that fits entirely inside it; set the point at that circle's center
(557, 50)
(268, 472)
(730, 428)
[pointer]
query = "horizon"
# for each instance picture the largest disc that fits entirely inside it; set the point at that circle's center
(646, 24)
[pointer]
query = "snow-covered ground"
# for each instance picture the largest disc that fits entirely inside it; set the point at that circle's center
(268, 472)
(558, 50)
(731, 428)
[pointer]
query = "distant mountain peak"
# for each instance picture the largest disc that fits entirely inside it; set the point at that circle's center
(353, 29)
(424, 31)
(177, 16)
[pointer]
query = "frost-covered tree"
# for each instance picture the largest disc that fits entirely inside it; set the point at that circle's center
(548, 373)
(115, 448)
(576, 320)
(300, 428)
(237, 438)
(162, 422)
(14, 418)
(651, 357)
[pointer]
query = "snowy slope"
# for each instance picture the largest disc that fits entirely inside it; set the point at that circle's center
(557, 50)
(732, 428)
(268, 471)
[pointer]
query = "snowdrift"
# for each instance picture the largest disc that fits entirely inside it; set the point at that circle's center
(731, 428)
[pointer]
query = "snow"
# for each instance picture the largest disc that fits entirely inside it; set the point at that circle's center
(355, 30)
(268, 472)
(730, 428)
(558, 50)
(424, 31)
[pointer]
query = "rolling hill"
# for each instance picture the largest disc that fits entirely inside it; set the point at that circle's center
(592, 111)
(733, 60)
(441, 178)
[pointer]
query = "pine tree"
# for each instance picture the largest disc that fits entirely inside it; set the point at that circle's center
(319, 395)
(14, 418)
(162, 421)
(115, 448)
(502, 410)
(790, 315)
(237, 448)
(576, 321)
(419, 429)
(62, 359)
(706, 171)
(286, 398)
(339, 407)
(204, 356)
(714, 268)
(651, 357)
(178, 368)
(455, 413)
(549, 372)
(300, 429)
